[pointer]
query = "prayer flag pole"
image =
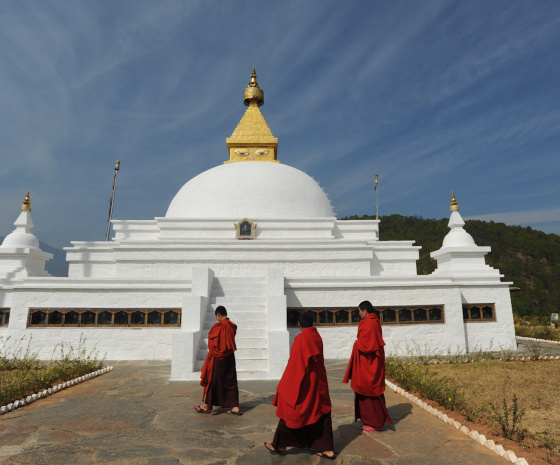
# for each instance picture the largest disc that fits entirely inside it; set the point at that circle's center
(112, 201)
(376, 197)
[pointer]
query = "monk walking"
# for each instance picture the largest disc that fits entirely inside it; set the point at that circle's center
(218, 376)
(366, 369)
(302, 397)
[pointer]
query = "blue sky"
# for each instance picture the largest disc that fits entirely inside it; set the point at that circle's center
(433, 96)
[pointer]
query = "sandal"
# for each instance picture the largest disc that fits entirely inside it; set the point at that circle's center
(272, 450)
(235, 413)
(324, 456)
(199, 409)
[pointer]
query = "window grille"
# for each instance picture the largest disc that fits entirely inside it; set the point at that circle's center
(476, 313)
(4, 316)
(348, 316)
(104, 317)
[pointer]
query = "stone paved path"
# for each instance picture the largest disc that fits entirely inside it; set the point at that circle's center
(134, 415)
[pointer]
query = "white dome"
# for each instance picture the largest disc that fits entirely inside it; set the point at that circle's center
(20, 239)
(457, 237)
(255, 190)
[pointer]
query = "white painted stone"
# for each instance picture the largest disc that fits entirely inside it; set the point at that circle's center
(521, 461)
(29, 399)
(464, 430)
(499, 449)
(490, 444)
(510, 455)
(10, 406)
(34, 397)
(16, 404)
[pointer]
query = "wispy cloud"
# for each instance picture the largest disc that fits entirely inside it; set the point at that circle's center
(527, 217)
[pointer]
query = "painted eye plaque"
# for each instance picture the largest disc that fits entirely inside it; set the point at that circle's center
(245, 229)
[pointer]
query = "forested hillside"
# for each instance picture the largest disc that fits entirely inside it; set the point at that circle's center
(529, 258)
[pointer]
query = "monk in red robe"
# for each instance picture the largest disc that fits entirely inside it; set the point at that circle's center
(366, 369)
(218, 376)
(302, 397)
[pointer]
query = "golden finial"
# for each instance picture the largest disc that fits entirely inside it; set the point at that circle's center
(253, 93)
(454, 205)
(26, 206)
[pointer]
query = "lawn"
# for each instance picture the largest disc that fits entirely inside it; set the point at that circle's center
(518, 399)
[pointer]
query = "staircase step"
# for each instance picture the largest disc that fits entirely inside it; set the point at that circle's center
(236, 283)
(231, 302)
(245, 353)
(242, 333)
(243, 365)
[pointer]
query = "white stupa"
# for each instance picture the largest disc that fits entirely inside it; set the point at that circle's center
(262, 239)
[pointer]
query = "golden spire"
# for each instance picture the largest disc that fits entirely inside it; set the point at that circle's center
(26, 206)
(253, 93)
(252, 139)
(454, 205)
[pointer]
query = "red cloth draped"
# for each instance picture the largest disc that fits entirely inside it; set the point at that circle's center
(366, 368)
(302, 396)
(221, 344)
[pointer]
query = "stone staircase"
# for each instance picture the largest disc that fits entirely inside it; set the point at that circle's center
(245, 300)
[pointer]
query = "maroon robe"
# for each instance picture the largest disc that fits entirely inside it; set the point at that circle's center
(218, 375)
(366, 369)
(302, 397)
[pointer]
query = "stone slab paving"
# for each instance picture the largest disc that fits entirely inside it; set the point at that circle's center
(134, 415)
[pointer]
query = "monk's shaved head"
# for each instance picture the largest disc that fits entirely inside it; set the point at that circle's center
(306, 320)
(221, 310)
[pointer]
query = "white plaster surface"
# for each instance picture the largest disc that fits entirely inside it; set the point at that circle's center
(252, 190)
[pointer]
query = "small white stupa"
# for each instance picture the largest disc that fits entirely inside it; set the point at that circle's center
(20, 253)
(459, 256)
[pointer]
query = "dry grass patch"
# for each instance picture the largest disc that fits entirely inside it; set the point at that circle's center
(480, 389)
(22, 374)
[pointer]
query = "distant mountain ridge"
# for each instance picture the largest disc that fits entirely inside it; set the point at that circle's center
(529, 258)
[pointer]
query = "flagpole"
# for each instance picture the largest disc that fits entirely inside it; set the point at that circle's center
(376, 197)
(112, 201)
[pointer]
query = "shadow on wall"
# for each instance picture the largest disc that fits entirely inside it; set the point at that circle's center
(56, 266)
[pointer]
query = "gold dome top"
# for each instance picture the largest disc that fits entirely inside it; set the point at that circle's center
(26, 206)
(454, 205)
(252, 139)
(253, 93)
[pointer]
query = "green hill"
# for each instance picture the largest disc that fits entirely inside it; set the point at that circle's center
(529, 258)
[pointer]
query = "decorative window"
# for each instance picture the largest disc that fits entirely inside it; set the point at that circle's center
(245, 229)
(345, 316)
(103, 317)
(4, 316)
(479, 313)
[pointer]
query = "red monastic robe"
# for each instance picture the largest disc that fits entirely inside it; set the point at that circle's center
(366, 368)
(302, 396)
(221, 344)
